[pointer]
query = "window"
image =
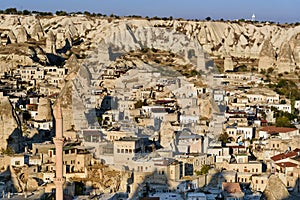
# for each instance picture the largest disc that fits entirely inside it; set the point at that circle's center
(17, 162)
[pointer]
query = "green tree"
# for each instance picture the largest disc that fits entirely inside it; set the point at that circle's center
(282, 101)
(87, 13)
(8, 151)
(26, 12)
(61, 13)
(263, 71)
(138, 104)
(224, 137)
(208, 18)
(270, 70)
(11, 11)
(283, 121)
(204, 170)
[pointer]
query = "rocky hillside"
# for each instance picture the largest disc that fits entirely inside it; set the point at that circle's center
(86, 45)
(51, 40)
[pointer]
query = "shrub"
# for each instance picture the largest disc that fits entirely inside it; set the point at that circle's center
(204, 170)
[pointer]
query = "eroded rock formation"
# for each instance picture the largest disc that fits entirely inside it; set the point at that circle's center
(10, 127)
(106, 179)
(270, 44)
(275, 190)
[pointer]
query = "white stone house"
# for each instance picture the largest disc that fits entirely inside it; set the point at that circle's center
(19, 160)
(281, 132)
(125, 149)
(29, 73)
(283, 107)
(187, 119)
(188, 90)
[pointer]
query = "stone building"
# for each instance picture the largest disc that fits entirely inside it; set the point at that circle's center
(127, 148)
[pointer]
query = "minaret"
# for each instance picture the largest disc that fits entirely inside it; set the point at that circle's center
(59, 142)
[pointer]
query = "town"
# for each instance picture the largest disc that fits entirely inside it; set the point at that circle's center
(143, 112)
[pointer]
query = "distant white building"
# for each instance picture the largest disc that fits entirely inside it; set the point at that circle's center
(253, 18)
(283, 107)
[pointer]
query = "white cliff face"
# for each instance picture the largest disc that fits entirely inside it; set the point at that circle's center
(238, 40)
(244, 40)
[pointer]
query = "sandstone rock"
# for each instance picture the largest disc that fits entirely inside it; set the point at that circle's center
(267, 55)
(70, 27)
(206, 108)
(295, 46)
(275, 190)
(10, 131)
(72, 64)
(106, 179)
(167, 135)
(22, 35)
(202, 36)
(73, 102)
(228, 63)
(243, 41)
(44, 110)
(37, 31)
(11, 38)
(285, 60)
(66, 106)
(50, 43)
(285, 53)
(21, 180)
